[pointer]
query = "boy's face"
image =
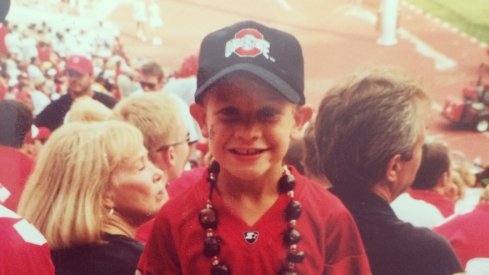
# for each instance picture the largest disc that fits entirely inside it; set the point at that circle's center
(248, 125)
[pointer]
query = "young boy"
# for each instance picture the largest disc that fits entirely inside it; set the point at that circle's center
(250, 214)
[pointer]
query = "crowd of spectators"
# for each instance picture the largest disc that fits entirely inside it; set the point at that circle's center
(42, 68)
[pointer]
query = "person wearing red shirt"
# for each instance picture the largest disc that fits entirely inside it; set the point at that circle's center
(4, 30)
(467, 233)
(433, 182)
(166, 136)
(15, 167)
(23, 249)
(249, 213)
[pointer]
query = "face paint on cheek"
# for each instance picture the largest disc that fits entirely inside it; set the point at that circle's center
(211, 132)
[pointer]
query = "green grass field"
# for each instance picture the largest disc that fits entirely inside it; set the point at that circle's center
(469, 16)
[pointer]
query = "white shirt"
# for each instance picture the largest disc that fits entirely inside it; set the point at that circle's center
(417, 212)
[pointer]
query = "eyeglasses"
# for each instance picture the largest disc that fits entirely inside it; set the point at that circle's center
(165, 147)
(148, 85)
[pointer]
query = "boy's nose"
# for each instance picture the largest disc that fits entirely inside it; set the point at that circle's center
(247, 129)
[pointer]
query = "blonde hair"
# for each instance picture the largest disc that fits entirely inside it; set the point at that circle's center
(457, 179)
(63, 198)
(88, 109)
(157, 115)
(467, 176)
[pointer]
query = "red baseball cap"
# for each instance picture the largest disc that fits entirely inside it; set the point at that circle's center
(80, 64)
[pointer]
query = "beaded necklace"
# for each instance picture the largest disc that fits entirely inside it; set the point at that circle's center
(208, 219)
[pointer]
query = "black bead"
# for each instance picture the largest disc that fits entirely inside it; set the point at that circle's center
(214, 168)
(286, 183)
(294, 210)
(220, 269)
(292, 236)
(211, 246)
(295, 257)
(208, 218)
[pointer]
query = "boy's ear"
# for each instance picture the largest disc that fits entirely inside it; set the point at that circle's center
(302, 115)
(198, 112)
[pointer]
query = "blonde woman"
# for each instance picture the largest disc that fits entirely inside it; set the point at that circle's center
(92, 187)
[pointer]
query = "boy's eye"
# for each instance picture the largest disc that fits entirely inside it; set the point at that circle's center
(267, 114)
(229, 113)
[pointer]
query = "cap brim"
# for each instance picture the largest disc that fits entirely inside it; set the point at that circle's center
(77, 69)
(270, 78)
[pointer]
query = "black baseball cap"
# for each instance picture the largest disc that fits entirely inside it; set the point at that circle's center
(269, 54)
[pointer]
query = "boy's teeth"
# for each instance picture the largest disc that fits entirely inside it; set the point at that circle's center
(246, 151)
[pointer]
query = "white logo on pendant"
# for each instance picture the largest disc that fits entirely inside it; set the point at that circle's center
(251, 236)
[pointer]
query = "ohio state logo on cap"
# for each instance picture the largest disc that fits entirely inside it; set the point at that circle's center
(248, 43)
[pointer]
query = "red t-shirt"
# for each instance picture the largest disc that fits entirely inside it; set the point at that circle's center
(23, 250)
(330, 238)
(3, 88)
(3, 46)
(187, 179)
(468, 233)
(15, 168)
(44, 53)
(442, 203)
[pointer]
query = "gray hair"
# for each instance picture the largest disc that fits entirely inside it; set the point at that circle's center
(363, 122)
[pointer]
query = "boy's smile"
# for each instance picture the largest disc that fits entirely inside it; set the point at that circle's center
(246, 152)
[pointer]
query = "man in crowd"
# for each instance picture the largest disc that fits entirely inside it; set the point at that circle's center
(79, 76)
(369, 133)
(15, 166)
(166, 137)
(152, 79)
(433, 183)
(428, 203)
(23, 249)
